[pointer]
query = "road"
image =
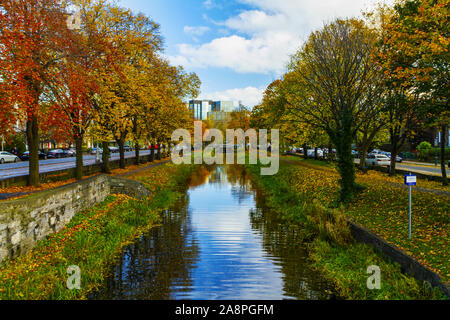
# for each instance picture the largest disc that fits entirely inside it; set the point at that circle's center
(418, 167)
(9, 170)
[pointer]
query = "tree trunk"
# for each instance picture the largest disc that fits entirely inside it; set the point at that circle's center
(316, 155)
(394, 150)
(106, 168)
(346, 165)
(159, 152)
(330, 153)
(137, 159)
(362, 158)
(79, 157)
(121, 144)
(33, 145)
(443, 142)
(152, 153)
(305, 151)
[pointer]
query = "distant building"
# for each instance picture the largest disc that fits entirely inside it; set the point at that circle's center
(208, 109)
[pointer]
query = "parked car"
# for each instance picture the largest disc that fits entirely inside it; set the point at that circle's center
(70, 152)
(94, 150)
(378, 160)
(26, 156)
(57, 153)
(113, 149)
(128, 148)
(8, 157)
(397, 158)
(312, 153)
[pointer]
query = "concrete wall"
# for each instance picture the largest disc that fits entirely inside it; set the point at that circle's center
(25, 221)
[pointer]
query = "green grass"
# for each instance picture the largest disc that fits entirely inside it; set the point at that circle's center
(92, 241)
(309, 201)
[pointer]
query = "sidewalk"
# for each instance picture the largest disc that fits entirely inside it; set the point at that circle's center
(421, 163)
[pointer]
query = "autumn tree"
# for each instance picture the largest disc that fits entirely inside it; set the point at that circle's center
(239, 119)
(34, 39)
(334, 70)
(416, 58)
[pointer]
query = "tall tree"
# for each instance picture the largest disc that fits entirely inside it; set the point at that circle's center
(335, 70)
(34, 39)
(416, 57)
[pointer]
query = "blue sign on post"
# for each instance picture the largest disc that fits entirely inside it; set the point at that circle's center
(410, 180)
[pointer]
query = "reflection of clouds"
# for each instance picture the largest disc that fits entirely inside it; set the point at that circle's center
(232, 262)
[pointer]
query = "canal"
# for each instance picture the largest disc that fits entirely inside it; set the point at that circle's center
(219, 242)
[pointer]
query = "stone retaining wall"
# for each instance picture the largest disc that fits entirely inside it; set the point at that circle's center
(27, 220)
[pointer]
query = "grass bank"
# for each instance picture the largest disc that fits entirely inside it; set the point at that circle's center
(92, 240)
(305, 194)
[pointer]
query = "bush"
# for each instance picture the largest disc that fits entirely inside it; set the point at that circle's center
(424, 150)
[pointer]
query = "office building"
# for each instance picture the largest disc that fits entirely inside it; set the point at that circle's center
(208, 109)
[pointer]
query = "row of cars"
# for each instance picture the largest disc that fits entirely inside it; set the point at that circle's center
(381, 158)
(52, 154)
(321, 153)
(375, 158)
(111, 149)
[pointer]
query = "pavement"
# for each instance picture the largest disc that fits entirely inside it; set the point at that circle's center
(10, 170)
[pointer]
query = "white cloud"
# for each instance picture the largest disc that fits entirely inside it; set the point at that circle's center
(249, 96)
(209, 4)
(264, 37)
(196, 31)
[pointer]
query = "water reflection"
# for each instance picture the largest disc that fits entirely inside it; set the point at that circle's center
(219, 242)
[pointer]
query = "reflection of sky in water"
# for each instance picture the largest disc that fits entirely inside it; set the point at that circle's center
(232, 263)
(215, 244)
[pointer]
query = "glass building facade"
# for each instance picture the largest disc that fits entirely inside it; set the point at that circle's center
(204, 109)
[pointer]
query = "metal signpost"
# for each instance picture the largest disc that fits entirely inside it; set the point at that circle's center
(410, 180)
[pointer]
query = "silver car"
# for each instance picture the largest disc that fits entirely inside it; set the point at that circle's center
(378, 160)
(8, 157)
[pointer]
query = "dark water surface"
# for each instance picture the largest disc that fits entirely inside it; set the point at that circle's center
(218, 243)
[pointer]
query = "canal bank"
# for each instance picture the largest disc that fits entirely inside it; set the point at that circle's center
(307, 199)
(92, 240)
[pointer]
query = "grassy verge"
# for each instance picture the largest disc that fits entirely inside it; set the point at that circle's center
(91, 241)
(383, 208)
(305, 195)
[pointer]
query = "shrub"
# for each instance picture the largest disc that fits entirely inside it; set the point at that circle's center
(424, 149)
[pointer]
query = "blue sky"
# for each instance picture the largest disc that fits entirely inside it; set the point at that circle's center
(238, 47)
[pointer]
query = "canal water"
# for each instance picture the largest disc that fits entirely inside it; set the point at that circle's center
(220, 242)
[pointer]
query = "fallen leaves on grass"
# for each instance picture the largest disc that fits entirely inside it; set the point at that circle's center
(383, 209)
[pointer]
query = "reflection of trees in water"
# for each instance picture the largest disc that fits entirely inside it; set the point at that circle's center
(285, 242)
(159, 261)
(199, 177)
(240, 181)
